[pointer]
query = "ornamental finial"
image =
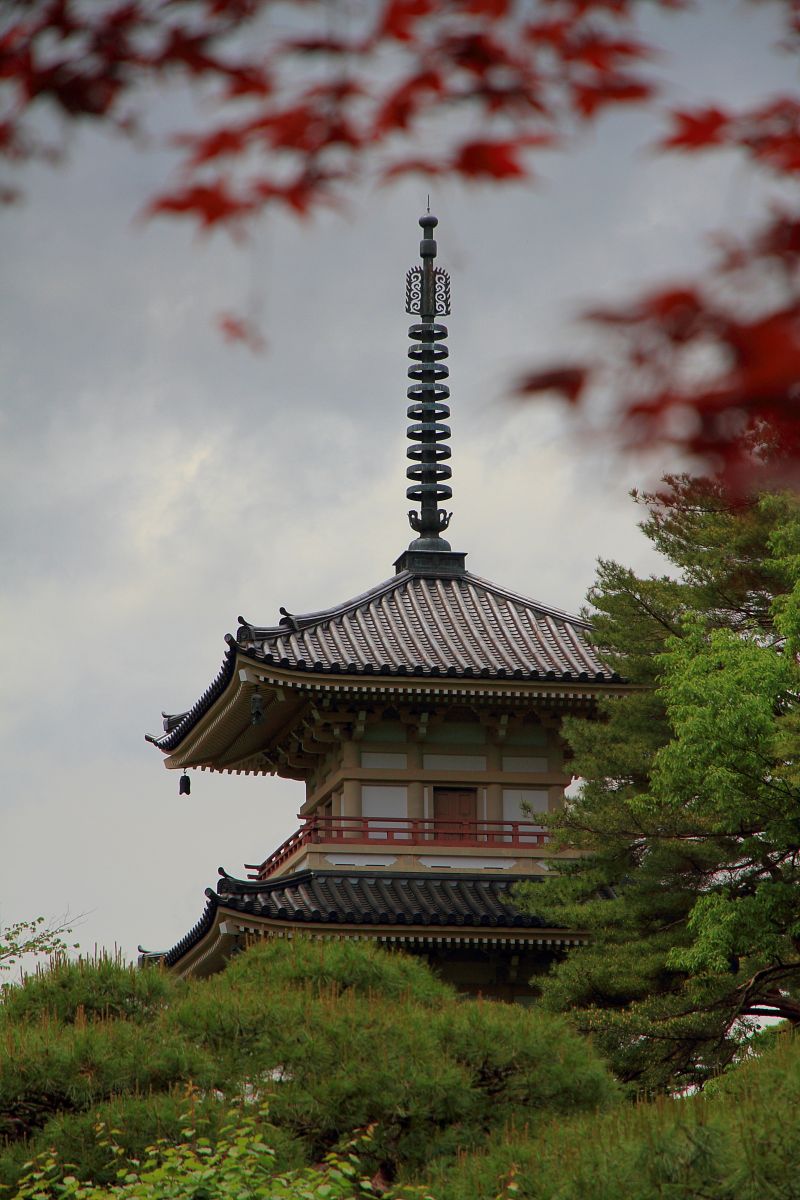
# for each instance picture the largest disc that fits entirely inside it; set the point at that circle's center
(428, 297)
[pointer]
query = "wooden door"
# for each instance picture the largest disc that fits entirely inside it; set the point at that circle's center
(453, 805)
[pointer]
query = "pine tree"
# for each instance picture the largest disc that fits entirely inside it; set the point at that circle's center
(688, 818)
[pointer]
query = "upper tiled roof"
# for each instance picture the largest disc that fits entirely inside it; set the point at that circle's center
(314, 898)
(414, 624)
(417, 625)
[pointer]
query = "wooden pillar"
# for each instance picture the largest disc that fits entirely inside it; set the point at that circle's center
(416, 794)
(351, 798)
(494, 802)
(494, 791)
(351, 788)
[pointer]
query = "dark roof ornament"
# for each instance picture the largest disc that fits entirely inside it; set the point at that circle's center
(428, 297)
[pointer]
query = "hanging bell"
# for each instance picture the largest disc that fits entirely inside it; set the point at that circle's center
(257, 709)
(185, 786)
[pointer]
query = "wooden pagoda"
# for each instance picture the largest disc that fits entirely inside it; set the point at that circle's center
(423, 717)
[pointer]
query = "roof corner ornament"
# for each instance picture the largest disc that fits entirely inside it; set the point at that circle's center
(289, 619)
(428, 297)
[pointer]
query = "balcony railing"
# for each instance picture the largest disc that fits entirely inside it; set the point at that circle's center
(403, 832)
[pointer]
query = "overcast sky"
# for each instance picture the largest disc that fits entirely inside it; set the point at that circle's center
(157, 482)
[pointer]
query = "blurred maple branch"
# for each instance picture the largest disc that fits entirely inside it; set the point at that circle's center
(313, 94)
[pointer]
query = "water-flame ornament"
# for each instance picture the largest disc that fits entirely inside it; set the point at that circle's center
(428, 296)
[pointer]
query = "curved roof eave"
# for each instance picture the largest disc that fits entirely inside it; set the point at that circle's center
(473, 903)
(415, 628)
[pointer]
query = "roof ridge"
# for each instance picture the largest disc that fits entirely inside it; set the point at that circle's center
(299, 877)
(298, 622)
(526, 600)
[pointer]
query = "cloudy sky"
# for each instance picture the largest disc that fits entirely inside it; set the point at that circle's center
(157, 482)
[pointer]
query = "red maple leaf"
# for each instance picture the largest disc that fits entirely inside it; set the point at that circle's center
(403, 103)
(211, 204)
(697, 130)
(494, 9)
(568, 380)
(490, 160)
(591, 97)
(400, 17)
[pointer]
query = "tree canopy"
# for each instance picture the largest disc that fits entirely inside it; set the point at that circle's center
(687, 816)
(238, 1077)
(331, 1036)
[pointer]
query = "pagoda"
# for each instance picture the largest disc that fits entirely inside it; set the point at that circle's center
(423, 718)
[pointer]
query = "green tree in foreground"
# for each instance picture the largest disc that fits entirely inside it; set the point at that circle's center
(734, 1142)
(738, 1142)
(689, 813)
(333, 1037)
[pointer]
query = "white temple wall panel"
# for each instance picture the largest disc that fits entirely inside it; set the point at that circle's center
(454, 762)
(374, 758)
(383, 800)
(520, 764)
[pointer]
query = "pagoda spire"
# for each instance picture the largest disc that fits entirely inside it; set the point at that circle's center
(428, 297)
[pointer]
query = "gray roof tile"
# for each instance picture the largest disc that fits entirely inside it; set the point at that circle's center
(459, 625)
(386, 898)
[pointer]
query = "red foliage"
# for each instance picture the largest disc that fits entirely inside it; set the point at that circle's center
(211, 204)
(698, 130)
(566, 381)
(769, 133)
(737, 416)
(480, 62)
(305, 116)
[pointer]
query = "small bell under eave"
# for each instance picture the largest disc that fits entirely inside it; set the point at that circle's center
(257, 716)
(185, 786)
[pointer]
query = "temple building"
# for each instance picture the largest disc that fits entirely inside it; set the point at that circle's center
(423, 718)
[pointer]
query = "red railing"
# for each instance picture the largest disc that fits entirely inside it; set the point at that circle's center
(402, 831)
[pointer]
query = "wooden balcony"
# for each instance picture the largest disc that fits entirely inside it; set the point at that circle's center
(405, 832)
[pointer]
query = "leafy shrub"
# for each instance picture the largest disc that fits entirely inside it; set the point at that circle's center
(138, 1122)
(333, 1036)
(103, 987)
(240, 1165)
(48, 1068)
(331, 967)
(742, 1143)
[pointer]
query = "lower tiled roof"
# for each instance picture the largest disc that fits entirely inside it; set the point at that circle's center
(315, 898)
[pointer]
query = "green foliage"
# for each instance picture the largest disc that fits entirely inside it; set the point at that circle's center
(736, 1142)
(360, 967)
(741, 1143)
(47, 1068)
(332, 1036)
(138, 1121)
(103, 986)
(240, 1164)
(36, 937)
(688, 816)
